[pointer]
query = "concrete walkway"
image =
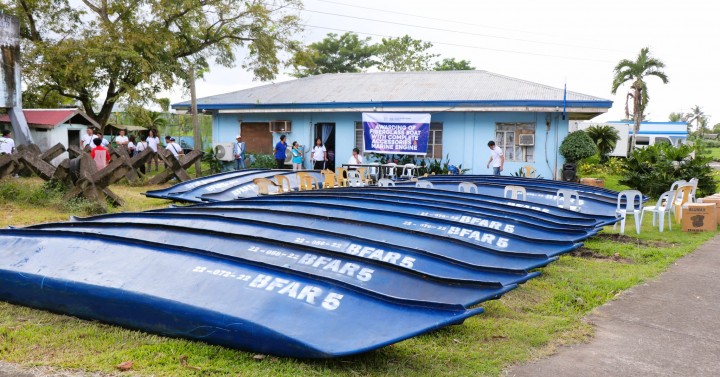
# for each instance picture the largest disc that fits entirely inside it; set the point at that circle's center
(667, 327)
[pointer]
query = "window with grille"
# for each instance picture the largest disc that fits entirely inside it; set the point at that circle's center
(435, 140)
(507, 137)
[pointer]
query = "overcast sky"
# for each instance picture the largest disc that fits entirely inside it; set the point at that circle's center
(548, 42)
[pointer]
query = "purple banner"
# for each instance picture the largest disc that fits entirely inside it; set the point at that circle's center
(396, 133)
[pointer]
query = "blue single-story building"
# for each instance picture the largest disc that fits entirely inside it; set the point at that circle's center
(468, 109)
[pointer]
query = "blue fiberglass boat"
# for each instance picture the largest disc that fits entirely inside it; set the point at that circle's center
(198, 182)
(196, 294)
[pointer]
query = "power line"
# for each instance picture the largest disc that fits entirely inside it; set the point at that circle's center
(466, 46)
(455, 31)
(436, 18)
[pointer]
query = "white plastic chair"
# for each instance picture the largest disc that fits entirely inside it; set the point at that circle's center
(468, 187)
(390, 170)
(677, 184)
(374, 172)
(662, 207)
(515, 192)
(354, 179)
(424, 184)
(384, 182)
(568, 197)
(628, 207)
(693, 182)
(408, 171)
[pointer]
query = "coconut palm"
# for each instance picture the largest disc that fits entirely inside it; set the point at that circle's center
(636, 72)
(605, 137)
(697, 115)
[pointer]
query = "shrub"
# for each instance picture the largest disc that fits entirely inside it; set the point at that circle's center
(577, 146)
(262, 161)
(652, 170)
(605, 138)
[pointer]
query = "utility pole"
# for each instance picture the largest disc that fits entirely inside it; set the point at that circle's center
(195, 121)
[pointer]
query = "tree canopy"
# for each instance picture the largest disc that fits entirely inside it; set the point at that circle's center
(132, 49)
(349, 53)
(635, 72)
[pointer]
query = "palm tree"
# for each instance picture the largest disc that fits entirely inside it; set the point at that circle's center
(697, 115)
(635, 72)
(605, 137)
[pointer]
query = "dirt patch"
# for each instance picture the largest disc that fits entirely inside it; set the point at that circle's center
(627, 239)
(586, 253)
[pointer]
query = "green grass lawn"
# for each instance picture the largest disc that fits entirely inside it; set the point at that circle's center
(714, 153)
(529, 322)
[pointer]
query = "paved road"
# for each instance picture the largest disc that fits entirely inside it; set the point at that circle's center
(667, 327)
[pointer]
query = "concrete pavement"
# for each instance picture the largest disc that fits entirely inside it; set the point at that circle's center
(666, 327)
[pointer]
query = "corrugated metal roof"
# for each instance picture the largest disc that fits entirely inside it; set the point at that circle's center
(49, 118)
(423, 87)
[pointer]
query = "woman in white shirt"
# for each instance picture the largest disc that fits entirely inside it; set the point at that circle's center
(319, 155)
(131, 145)
(139, 148)
(356, 158)
(153, 141)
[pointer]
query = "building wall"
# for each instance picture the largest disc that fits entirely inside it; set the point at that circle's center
(465, 135)
(45, 139)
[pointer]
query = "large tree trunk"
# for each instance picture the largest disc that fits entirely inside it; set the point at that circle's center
(195, 121)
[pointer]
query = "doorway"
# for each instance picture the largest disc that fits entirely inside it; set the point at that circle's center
(326, 132)
(73, 138)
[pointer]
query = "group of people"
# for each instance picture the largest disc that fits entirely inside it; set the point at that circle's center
(98, 147)
(319, 155)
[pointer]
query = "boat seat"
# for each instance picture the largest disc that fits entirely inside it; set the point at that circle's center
(564, 198)
(384, 182)
(515, 192)
(424, 184)
(629, 202)
(468, 187)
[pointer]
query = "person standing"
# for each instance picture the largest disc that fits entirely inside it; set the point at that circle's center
(174, 148)
(497, 158)
(297, 156)
(153, 141)
(121, 140)
(319, 155)
(7, 144)
(139, 148)
(131, 146)
(239, 153)
(279, 152)
(356, 158)
(99, 135)
(100, 154)
(86, 140)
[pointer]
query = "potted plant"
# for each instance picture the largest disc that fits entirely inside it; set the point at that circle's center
(575, 147)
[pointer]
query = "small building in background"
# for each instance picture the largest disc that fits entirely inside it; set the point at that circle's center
(51, 126)
(468, 108)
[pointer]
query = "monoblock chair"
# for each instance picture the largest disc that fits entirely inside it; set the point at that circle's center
(424, 184)
(683, 195)
(468, 187)
(515, 192)
(340, 174)
(528, 171)
(308, 182)
(677, 184)
(629, 203)
(662, 207)
(384, 182)
(565, 199)
(693, 182)
(391, 170)
(329, 180)
(374, 172)
(408, 171)
(264, 185)
(283, 183)
(354, 179)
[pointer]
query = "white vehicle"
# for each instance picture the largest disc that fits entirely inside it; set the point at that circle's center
(651, 133)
